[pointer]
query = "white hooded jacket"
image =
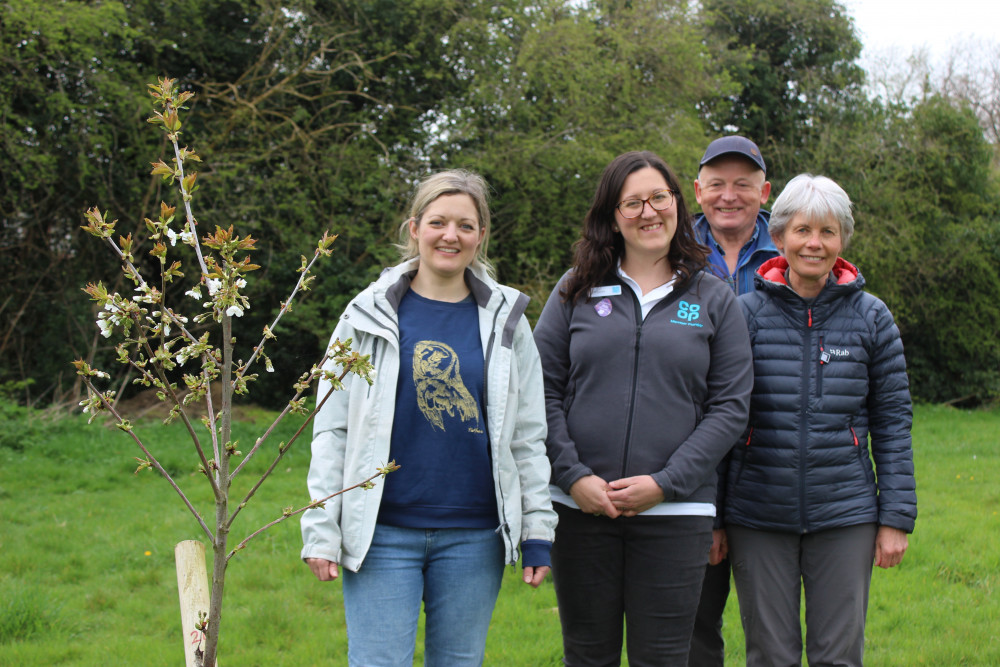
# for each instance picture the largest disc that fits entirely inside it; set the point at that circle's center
(353, 429)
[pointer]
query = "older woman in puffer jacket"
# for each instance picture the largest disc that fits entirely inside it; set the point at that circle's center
(804, 506)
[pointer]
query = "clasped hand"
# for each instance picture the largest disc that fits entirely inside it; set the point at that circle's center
(622, 497)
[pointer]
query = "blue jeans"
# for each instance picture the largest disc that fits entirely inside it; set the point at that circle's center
(455, 571)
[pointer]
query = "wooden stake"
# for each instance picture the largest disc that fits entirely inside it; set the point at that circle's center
(192, 587)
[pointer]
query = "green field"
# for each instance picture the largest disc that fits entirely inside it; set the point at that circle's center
(87, 573)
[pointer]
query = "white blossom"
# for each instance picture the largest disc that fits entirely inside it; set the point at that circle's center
(240, 283)
(214, 286)
(143, 296)
(105, 326)
(234, 311)
(194, 293)
(172, 235)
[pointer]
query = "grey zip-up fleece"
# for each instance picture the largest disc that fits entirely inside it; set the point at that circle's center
(666, 396)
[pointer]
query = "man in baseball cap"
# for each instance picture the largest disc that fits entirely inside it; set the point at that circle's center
(731, 187)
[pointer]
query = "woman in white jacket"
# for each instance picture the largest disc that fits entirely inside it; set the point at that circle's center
(458, 403)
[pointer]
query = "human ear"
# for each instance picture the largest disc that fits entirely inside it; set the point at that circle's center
(765, 192)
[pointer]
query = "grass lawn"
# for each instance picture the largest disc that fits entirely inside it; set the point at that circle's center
(87, 573)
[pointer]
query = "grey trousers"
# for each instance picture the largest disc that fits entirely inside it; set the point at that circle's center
(834, 568)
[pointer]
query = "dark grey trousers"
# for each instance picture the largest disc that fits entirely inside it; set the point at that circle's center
(834, 568)
(707, 646)
(642, 572)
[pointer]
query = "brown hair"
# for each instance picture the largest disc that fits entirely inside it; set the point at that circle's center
(599, 248)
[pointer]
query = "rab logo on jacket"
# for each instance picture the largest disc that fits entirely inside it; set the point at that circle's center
(688, 312)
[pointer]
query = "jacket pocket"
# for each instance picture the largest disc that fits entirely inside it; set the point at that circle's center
(864, 461)
(745, 458)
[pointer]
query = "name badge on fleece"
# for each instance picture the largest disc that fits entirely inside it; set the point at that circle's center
(605, 290)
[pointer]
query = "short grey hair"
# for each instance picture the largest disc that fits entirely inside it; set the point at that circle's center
(815, 197)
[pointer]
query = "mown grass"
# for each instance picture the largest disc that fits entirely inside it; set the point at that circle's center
(87, 573)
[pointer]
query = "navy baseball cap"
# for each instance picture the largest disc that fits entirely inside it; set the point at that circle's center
(734, 144)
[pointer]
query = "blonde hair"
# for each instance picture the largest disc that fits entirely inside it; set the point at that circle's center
(450, 182)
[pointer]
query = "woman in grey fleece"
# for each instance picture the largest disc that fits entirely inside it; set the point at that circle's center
(647, 371)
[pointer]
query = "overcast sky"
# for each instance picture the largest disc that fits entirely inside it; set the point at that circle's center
(887, 24)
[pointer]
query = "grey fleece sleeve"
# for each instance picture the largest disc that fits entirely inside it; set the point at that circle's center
(552, 340)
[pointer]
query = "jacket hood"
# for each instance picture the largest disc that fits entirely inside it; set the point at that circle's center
(773, 271)
(394, 281)
(374, 308)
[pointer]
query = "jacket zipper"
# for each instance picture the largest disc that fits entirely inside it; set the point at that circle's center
(374, 359)
(504, 525)
(803, 432)
(824, 359)
(635, 383)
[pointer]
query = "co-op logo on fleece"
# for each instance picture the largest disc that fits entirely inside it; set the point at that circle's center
(688, 312)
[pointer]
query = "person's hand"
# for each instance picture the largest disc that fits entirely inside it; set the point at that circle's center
(720, 547)
(323, 569)
(533, 576)
(632, 495)
(890, 545)
(591, 495)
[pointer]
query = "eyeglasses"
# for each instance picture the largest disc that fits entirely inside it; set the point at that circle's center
(658, 201)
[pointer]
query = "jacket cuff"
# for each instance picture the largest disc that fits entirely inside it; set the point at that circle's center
(536, 553)
(316, 551)
(572, 476)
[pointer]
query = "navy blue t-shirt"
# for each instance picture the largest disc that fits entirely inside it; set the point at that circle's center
(439, 434)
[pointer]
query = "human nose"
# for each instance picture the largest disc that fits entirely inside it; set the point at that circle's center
(451, 231)
(728, 192)
(646, 206)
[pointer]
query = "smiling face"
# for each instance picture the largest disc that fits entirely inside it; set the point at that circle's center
(811, 246)
(447, 235)
(648, 235)
(731, 190)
